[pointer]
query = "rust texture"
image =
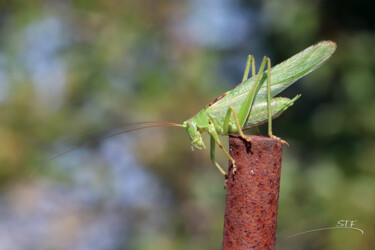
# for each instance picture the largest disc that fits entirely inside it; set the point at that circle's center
(252, 194)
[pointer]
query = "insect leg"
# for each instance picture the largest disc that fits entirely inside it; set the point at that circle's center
(253, 67)
(215, 138)
(245, 108)
(212, 149)
(226, 123)
(269, 97)
(253, 74)
(269, 103)
(249, 63)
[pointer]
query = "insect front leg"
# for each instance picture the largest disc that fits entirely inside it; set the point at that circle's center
(215, 139)
(213, 159)
(269, 104)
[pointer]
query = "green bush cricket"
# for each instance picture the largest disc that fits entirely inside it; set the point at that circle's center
(249, 104)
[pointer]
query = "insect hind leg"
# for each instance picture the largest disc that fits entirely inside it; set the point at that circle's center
(249, 63)
(269, 103)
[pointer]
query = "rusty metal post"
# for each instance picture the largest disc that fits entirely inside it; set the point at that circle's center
(252, 194)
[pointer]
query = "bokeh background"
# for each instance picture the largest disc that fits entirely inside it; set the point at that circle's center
(73, 66)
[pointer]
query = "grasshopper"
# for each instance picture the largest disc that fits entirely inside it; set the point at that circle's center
(249, 104)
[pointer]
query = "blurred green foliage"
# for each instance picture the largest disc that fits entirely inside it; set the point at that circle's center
(70, 67)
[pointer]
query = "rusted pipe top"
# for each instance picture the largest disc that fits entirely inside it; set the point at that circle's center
(252, 193)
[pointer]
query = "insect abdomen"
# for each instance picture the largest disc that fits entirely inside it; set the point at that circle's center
(259, 112)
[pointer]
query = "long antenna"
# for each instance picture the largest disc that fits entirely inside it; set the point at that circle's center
(97, 140)
(122, 126)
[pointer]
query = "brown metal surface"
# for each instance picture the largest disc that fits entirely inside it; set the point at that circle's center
(253, 194)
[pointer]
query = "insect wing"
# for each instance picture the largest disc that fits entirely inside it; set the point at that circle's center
(282, 76)
(289, 71)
